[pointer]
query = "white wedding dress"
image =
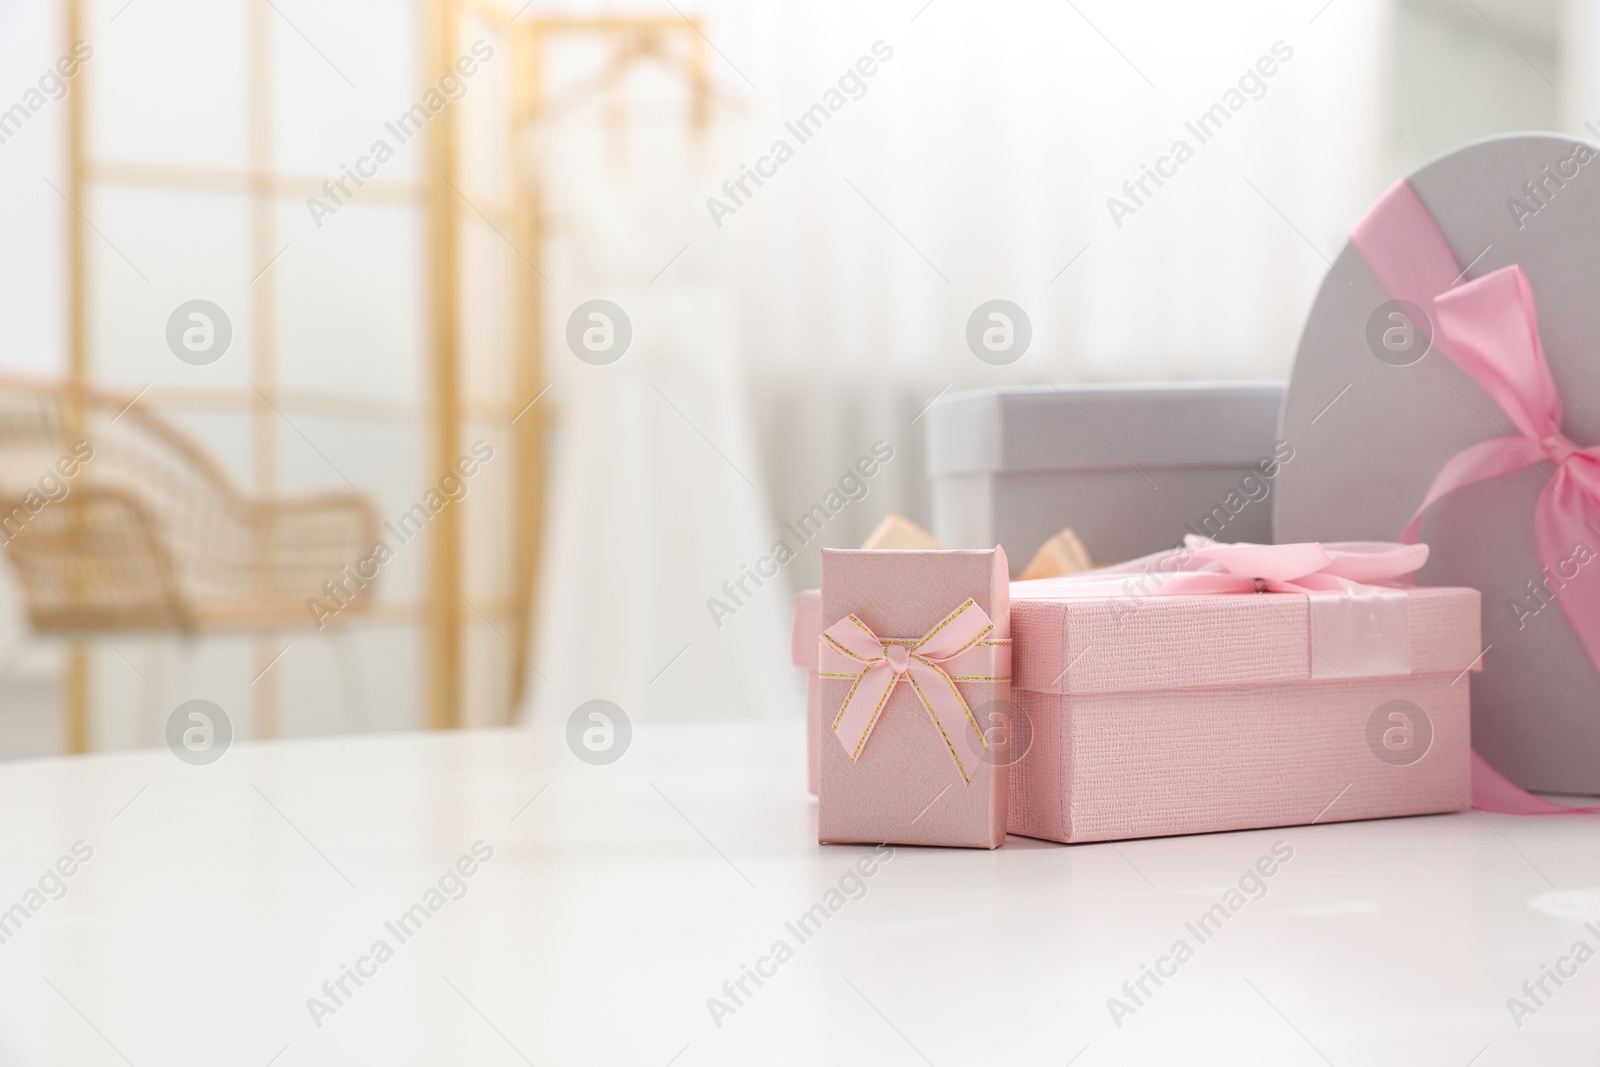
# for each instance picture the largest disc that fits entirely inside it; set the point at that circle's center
(657, 494)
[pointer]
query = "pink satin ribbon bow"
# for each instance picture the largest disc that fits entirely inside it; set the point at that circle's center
(1489, 328)
(1206, 566)
(1493, 332)
(959, 649)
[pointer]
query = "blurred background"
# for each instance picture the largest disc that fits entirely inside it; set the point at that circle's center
(386, 364)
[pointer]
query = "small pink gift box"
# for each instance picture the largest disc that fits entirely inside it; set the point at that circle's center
(1241, 686)
(913, 660)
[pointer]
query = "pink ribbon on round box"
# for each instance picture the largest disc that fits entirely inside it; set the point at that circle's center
(1489, 328)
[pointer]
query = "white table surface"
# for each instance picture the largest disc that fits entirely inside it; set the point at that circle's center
(619, 898)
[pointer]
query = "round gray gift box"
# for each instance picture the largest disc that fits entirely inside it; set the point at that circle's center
(1372, 421)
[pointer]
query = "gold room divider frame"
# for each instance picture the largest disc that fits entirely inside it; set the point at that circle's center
(444, 609)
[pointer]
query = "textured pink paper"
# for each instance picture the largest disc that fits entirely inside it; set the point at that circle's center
(904, 788)
(803, 636)
(1197, 714)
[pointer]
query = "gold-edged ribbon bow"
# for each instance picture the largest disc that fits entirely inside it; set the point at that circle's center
(960, 649)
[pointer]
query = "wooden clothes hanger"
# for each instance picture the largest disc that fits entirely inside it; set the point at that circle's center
(637, 46)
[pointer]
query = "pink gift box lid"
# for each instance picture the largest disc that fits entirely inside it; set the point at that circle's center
(1108, 644)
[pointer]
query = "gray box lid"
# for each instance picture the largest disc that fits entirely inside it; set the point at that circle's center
(1101, 427)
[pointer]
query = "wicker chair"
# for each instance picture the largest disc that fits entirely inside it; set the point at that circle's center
(148, 534)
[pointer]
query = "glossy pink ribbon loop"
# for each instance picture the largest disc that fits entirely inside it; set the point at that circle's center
(960, 651)
(1204, 566)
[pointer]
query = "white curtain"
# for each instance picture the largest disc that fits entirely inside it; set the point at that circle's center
(991, 142)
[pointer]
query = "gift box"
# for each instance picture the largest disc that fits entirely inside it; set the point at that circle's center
(1131, 468)
(914, 660)
(1062, 554)
(1169, 696)
(1447, 371)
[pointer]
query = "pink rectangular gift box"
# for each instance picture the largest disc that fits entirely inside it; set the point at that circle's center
(909, 767)
(1187, 714)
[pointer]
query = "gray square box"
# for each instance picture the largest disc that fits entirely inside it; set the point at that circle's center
(1131, 468)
